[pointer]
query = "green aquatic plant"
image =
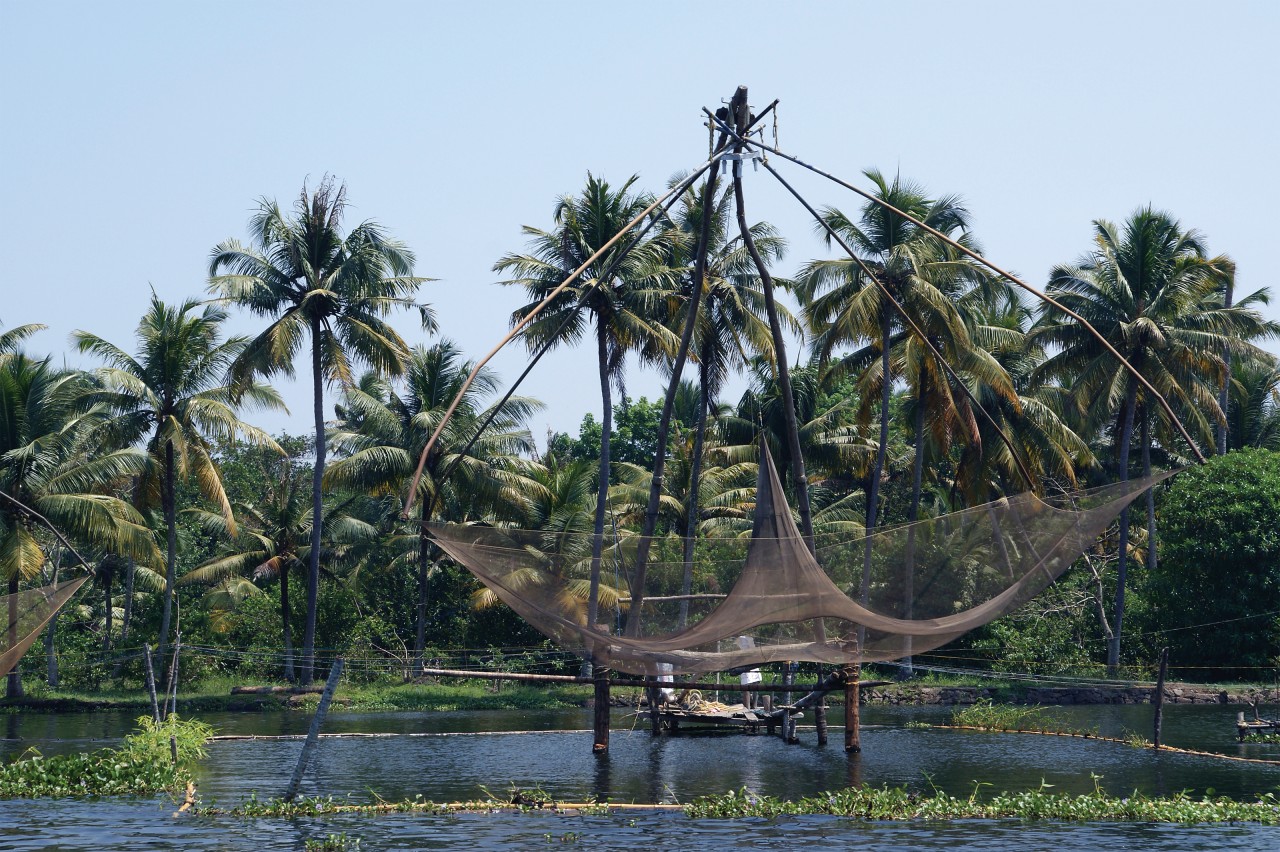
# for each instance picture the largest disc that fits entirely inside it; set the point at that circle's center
(332, 843)
(143, 764)
(1008, 717)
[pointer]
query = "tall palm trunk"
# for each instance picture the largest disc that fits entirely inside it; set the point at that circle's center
(913, 515)
(602, 491)
(317, 509)
(634, 616)
(14, 686)
(169, 501)
(424, 575)
(285, 628)
(1152, 551)
(50, 636)
(1122, 568)
(1224, 400)
(695, 475)
(131, 571)
(108, 615)
(873, 487)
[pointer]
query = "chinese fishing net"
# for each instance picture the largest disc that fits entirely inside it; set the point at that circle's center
(927, 583)
(27, 613)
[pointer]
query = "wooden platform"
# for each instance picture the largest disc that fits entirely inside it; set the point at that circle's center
(1256, 726)
(673, 717)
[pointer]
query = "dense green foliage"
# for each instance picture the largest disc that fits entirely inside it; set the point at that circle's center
(143, 764)
(1220, 528)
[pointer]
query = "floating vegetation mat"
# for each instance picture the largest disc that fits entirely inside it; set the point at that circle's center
(863, 803)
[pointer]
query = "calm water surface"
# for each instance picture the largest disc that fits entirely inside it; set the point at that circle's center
(462, 754)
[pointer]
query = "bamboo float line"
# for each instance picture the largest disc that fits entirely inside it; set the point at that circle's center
(1087, 736)
(647, 683)
(554, 808)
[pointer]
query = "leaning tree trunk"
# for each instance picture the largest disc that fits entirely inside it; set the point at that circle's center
(695, 475)
(1122, 566)
(286, 628)
(873, 487)
(14, 687)
(602, 491)
(317, 509)
(634, 616)
(169, 501)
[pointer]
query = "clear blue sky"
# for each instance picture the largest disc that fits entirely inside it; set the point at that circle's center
(137, 135)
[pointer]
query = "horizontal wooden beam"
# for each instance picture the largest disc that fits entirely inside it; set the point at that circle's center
(727, 686)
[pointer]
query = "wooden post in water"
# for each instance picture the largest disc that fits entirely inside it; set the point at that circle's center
(313, 733)
(600, 745)
(820, 715)
(852, 720)
(766, 702)
(655, 725)
(151, 683)
(1157, 698)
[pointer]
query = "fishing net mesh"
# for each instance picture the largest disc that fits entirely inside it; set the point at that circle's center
(903, 590)
(27, 612)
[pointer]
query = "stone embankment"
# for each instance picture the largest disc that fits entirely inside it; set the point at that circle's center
(1017, 694)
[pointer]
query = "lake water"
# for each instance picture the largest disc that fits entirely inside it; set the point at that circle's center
(451, 756)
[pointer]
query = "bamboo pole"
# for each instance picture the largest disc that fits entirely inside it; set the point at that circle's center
(829, 684)
(151, 683)
(313, 733)
(1157, 698)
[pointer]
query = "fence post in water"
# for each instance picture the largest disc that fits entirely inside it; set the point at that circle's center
(820, 714)
(151, 683)
(313, 734)
(600, 745)
(852, 721)
(1157, 698)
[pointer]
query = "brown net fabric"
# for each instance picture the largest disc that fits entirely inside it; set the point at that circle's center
(928, 582)
(27, 612)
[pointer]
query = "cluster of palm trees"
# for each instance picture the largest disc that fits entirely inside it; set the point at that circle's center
(926, 384)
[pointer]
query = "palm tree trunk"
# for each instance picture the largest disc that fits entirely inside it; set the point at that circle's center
(913, 515)
(873, 487)
(130, 573)
(106, 593)
(602, 491)
(695, 474)
(14, 686)
(424, 574)
(1152, 550)
(1122, 568)
(286, 628)
(317, 509)
(171, 553)
(1224, 400)
(50, 636)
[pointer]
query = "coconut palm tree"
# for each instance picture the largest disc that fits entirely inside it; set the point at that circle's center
(381, 434)
(53, 460)
(317, 285)
(845, 302)
(171, 395)
(272, 539)
(623, 294)
(1148, 287)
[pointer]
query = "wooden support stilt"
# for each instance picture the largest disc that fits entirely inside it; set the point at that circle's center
(313, 733)
(655, 724)
(151, 683)
(600, 745)
(1157, 697)
(852, 720)
(770, 725)
(820, 720)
